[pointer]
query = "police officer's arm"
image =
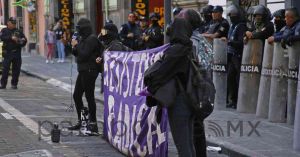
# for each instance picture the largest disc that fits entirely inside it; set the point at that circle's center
(23, 40)
(124, 32)
(157, 35)
(239, 37)
(266, 32)
(223, 30)
(5, 35)
(296, 36)
(278, 36)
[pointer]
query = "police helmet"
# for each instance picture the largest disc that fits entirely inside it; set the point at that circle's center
(233, 10)
(154, 15)
(207, 9)
(176, 10)
(218, 9)
(279, 13)
(263, 11)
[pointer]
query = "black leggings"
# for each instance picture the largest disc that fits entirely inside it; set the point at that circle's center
(85, 83)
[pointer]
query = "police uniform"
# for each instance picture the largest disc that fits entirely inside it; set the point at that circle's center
(134, 42)
(156, 37)
(11, 52)
(234, 52)
(220, 26)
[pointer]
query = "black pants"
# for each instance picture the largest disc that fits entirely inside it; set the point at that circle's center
(233, 78)
(85, 83)
(199, 138)
(15, 59)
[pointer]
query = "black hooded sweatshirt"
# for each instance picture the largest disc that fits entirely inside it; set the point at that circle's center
(174, 61)
(88, 47)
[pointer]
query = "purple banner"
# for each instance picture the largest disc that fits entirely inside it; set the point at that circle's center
(129, 125)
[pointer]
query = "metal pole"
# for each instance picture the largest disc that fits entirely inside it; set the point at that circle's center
(167, 16)
(106, 10)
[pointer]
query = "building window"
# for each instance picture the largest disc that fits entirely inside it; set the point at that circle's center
(79, 6)
(275, 5)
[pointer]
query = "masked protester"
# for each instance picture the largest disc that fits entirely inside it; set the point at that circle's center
(206, 15)
(264, 28)
(110, 39)
(86, 50)
(203, 53)
(235, 47)
(153, 36)
(13, 40)
(175, 65)
(279, 23)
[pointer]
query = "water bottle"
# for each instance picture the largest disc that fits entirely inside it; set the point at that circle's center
(55, 133)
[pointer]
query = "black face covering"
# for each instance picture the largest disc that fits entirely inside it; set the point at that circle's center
(181, 31)
(84, 28)
(234, 19)
(279, 24)
(207, 17)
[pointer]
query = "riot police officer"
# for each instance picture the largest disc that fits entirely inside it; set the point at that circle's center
(264, 28)
(292, 32)
(219, 26)
(130, 33)
(153, 36)
(235, 47)
(206, 15)
(13, 40)
(279, 23)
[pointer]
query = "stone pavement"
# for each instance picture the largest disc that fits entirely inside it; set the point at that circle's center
(238, 134)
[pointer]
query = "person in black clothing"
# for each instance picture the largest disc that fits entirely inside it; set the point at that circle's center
(13, 40)
(279, 23)
(206, 14)
(131, 33)
(199, 138)
(153, 37)
(264, 28)
(219, 26)
(235, 47)
(86, 50)
(175, 65)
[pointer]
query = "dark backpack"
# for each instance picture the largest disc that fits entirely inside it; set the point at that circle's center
(200, 90)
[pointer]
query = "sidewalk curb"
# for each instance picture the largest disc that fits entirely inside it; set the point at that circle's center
(227, 148)
(232, 149)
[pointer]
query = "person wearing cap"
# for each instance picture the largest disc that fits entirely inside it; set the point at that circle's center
(144, 24)
(153, 36)
(219, 26)
(206, 15)
(130, 32)
(13, 41)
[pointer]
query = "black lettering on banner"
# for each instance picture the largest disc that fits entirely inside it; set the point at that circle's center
(219, 68)
(250, 69)
(293, 74)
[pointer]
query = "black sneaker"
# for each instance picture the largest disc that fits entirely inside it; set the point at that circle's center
(77, 126)
(93, 129)
(14, 87)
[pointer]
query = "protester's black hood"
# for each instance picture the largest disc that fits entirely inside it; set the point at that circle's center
(181, 31)
(84, 27)
(192, 17)
(112, 33)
